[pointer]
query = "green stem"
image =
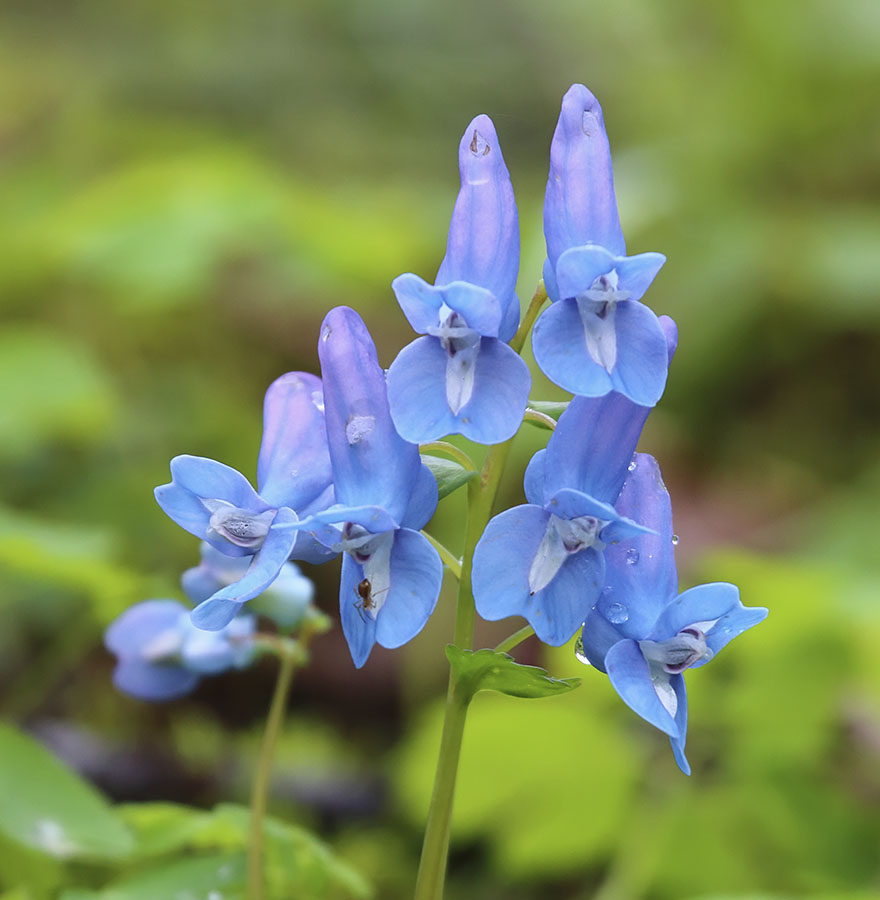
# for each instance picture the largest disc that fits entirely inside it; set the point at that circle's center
(260, 790)
(534, 307)
(452, 562)
(514, 639)
(542, 419)
(451, 451)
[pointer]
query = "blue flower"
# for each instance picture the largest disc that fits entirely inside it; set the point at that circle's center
(217, 504)
(462, 377)
(596, 336)
(544, 560)
(286, 601)
(162, 655)
(645, 634)
(391, 574)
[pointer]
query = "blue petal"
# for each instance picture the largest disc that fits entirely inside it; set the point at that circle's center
(560, 350)
(210, 479)
(189, 513)
(572, 504)
(358, 626)
(681, 714)
(635, 273)
(640, 572)
(417, 393)
(592, 446)
(211, 652)
(670, 330)
(706, 603)
(422, 502)
(579, 267)
(631, 678)
(421, 304)
(483, 243)
(419, 301)
(139, 624)
(642, 354)
(510, 320)
(219, 610)
(373, 518)
(372, 464)
(416, 576)
(579, 206)
(550, 285)
(502, 561)
(294, 463)
(153, 682)
(477, 306)
(533, 480)
(598, 637)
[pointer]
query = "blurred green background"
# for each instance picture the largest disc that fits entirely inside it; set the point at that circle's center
(186, 189)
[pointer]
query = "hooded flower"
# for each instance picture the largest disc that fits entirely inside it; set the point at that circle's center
(217, 503)
(544, 560)
(645, 634)
(391, 574)
(462, 377)
(162, 655)
(596, 336)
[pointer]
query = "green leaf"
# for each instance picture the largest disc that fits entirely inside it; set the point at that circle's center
(450, 475)
(486, 670)
(552, 408)
(48, 808)
(199, 878)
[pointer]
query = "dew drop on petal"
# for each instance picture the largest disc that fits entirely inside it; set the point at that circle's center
(632, 556)
(579, 654)
(326, 331)
(675, 540)
(632, 466)
(616, 614)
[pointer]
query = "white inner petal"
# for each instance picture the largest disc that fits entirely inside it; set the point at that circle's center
(238, 526)
(597, 307)
(663, 689)
(462, 345)
(678, 653)
(373, 552)
(165, 645)
(562, 538)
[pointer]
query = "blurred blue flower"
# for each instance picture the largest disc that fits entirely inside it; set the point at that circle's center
(642, 632)
(286, 601)
(462, 378)
(162, 655)
(391, 574)
(596, 336)
(218, 504)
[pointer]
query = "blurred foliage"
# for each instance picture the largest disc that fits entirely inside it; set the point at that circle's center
(187, 188)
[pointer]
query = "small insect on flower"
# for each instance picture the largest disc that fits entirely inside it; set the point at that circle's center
(366, 599)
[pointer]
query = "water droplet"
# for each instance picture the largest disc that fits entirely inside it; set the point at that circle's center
(616, 613)
(632, 466)
(632, 556)
(579, 654)
(675, 540)
(326, 331)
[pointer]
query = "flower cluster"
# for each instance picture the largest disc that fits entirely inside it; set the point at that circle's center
(340, 472)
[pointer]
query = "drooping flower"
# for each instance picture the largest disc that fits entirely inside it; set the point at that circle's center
(645, 634)
(217, 503)
(544, 560)
(596, 336)
(462, 377)
(286, 601)
(391, 574)
(162, 655)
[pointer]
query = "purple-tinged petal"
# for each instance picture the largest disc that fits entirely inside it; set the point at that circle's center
(640, 573)
(631, 677)
(560, 349)
(635, 273)
(372, 464)
(642, 354)
(533, 479)
(213, 480)
(358, 626)
(147, 681)
(218, 611)
(579, 206)
(130, 632)
(681, 715)
(418, 398)
(422, 502)
(294, 463)
(421, 303)
(416, 576)
(670, 330)
(592, 446)
(579, 267)
(483, 243)
(502, 564)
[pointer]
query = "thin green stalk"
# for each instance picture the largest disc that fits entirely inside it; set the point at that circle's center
(451, 451)
(534, 307)
(515, 639)
(450, 560)
(262, 776)
(542, 419)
